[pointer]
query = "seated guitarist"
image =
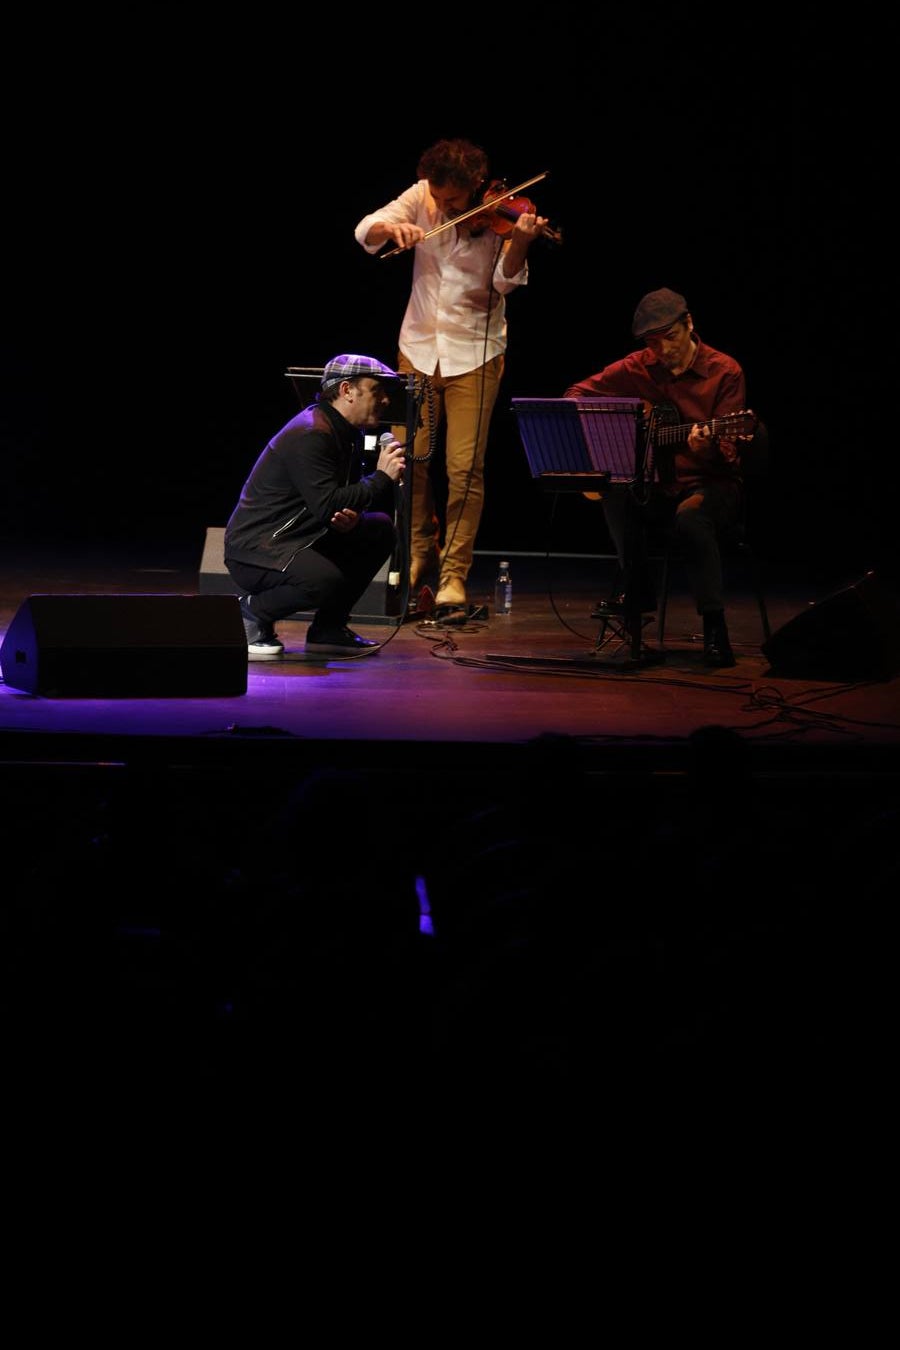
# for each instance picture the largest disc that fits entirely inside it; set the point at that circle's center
(686, 387)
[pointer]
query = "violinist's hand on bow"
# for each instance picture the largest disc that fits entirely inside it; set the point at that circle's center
(404, 234)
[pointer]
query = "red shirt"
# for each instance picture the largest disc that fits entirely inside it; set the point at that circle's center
(713, 386)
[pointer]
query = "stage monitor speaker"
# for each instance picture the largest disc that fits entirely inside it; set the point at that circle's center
(215, 579)
(127, 646)
(379, 603)
(851, 635)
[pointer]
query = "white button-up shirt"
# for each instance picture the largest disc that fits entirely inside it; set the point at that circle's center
(454, 318)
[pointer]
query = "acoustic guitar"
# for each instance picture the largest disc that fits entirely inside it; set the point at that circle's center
(662, 426)
(667, 430)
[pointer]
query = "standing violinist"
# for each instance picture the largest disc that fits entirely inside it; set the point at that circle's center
(454, 333)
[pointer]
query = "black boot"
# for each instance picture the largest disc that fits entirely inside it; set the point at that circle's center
(716, 646)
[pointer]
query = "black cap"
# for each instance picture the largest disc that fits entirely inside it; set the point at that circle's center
(657, 312)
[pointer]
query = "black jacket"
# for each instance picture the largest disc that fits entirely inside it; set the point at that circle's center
(299, 481)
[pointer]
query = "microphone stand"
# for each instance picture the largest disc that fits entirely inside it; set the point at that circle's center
(400, 564)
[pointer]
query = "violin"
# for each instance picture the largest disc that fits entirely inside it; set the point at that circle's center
(492, 212)
(502, 217)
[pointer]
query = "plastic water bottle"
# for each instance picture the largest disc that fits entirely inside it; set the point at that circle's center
(503, 591)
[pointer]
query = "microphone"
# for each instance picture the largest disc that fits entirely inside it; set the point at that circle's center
(388, 438)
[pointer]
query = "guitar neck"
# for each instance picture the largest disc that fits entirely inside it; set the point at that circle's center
(735, 425)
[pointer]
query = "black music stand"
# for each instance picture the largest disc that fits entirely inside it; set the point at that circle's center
(585, 445)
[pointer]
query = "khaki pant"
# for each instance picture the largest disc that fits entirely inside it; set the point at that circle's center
(467, 402)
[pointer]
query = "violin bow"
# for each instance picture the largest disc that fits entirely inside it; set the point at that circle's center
(474, 211)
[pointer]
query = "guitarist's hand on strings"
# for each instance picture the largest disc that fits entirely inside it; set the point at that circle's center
(701, 440)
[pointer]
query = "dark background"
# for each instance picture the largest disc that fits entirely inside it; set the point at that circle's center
(181, 231)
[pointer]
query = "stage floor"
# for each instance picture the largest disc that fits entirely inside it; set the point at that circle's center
(469, 694)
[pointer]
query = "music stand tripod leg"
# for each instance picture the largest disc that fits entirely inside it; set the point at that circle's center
(635, 568)
(634, 535)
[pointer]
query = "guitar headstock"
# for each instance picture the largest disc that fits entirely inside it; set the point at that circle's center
(742, 424)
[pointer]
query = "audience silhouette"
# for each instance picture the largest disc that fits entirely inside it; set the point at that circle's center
(589, 927)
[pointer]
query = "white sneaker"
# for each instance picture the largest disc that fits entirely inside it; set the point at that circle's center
(265, 649)
(262, 643)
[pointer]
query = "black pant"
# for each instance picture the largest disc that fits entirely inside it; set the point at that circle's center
(694, 520)
(328, 577)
